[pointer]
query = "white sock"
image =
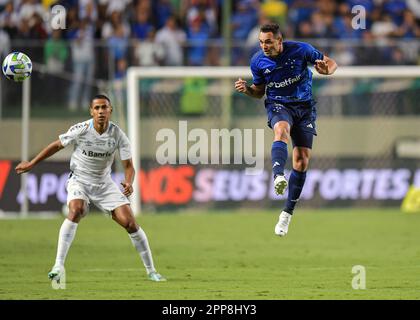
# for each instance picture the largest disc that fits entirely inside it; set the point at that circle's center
(139, 240)
(65, 238)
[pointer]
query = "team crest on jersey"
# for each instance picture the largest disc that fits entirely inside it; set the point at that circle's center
(111, 143)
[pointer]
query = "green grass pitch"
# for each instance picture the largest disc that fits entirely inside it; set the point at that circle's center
(220, 255)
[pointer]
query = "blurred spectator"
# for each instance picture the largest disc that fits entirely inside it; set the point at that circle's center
(327, 7)
(162, 10)
(276, 11)
(409, 29)
(305, 30)
(4, 44)
(343, 55)
(384, 27)
(115, 22)
(142, 25)
(300, 10)
(55, 53)
(252, 42)
(370, 53)
(343, 28)
(55, 56)
(9, 20)
(72, 23)
(118, 42)
(118, 47)
(83, 60)
(148, 52)
(116, 5)
(321, 25)
(414, 6)
(27, 10)
(397, 57)
(243, 20)
(206, 9)
(198, 35)
(119, 82)
(172, 38)
(395, 9)
(88, 10)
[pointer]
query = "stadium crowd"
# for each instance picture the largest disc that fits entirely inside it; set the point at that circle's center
(164, 26)
(116, 33)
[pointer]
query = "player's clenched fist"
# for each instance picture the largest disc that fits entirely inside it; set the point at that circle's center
(321, 66)
(240, 85)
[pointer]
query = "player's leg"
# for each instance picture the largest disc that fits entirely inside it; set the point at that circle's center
(279, 155)
(301, 156)
(77, 202)
(302, 135)
(125, 218)
(297, 179)
(77, 209)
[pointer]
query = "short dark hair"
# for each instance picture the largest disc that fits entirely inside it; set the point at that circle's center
(101, 96)
(271, 27)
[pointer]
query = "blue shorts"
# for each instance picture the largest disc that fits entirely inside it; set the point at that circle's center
(300, 115)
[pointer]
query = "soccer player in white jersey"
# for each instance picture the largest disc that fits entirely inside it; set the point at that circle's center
(95, 142)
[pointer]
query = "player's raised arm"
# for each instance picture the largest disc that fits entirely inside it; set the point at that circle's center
(255, 91)
(129, 174)
(326, 66)
(47, 152)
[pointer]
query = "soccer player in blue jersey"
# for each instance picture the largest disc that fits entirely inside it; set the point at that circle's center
(280, 71)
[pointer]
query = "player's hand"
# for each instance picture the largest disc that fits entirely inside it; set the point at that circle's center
(127, 188)
(321, 66)
(22, 167)
(240, 85)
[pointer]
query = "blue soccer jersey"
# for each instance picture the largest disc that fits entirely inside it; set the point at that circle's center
(287, 77)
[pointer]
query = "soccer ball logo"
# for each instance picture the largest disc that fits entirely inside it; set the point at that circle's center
(17, 66)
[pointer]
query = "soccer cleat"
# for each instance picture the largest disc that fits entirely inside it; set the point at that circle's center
(55, 273)
(154, 276)
(280, 184)
(283, 225)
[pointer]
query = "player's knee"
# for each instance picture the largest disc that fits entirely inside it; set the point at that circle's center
(128, 224)
(76, 213)
(131, 226)
(281, 134)
(301, 164)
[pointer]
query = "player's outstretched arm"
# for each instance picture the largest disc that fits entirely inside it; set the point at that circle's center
(326, 66)
(129, 174)
(255, 91)
(48, 151)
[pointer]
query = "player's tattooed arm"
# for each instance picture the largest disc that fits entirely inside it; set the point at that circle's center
(47, 152)
(326, 66)
(255, 91)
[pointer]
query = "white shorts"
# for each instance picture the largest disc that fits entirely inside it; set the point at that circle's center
(107, 196)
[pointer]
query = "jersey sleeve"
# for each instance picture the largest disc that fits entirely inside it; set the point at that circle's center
(257, 75)
(72, 134)
(124, 147)
(312, 54)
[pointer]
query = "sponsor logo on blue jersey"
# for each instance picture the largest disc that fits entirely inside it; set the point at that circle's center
(287, 77)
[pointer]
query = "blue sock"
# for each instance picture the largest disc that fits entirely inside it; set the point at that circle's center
(278, 157)
(296, 182)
